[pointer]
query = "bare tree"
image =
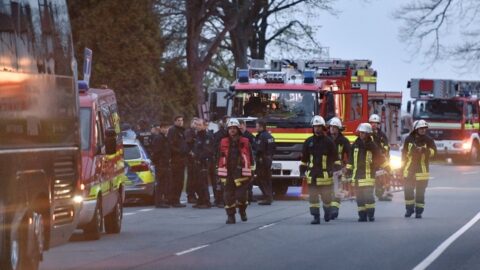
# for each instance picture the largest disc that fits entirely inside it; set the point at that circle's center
(442, 29)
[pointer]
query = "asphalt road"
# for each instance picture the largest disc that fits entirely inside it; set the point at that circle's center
(281, 237)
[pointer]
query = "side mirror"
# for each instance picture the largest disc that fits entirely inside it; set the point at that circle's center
(409, 106)
(110, 141)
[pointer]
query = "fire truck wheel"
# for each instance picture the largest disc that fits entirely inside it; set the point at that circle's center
(473, 157)
(113, 221)
(94, 228)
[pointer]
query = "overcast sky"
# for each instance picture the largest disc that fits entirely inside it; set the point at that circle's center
(367, 30)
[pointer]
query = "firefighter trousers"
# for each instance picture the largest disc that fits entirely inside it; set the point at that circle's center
(162, 184)
(415, 194)
(235, 196)
(337, 188)
(325, 192)
(365, 199)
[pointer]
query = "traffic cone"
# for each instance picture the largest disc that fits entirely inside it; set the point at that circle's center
(304, 193)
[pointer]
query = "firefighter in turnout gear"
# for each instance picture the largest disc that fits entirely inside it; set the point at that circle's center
(380, 138)
(365, 157)
(343, 150)
(318, 156)
(265, 147)
(417, 151)
(235, 164)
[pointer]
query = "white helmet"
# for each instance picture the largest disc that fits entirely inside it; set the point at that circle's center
(317, 120)
(374, 118)
(233, 122)
(420, 124)
(336, 122)
(365, 127)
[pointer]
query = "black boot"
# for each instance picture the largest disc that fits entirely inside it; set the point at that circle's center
(409, 211)
(371, 214)
(334, 213)
(230, 219)
(327, 214)
(316, 219)
(418, 212)
(243, 213)
(362, 216)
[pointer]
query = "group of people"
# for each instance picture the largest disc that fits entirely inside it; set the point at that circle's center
(228, 159)
(328, 157)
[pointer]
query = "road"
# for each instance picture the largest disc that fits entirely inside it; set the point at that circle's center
(281, 237)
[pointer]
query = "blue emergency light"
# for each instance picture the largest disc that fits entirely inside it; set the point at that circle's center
(82, 86)
(242, 75)
(309, 76)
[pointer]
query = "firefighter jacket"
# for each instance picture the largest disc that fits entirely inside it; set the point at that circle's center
(381, 139)
(416, 154)
(203, 148)
(178, 144)
(365, 158)
(161, 151)
(343, 150)
(318, 156)
(217, 137)
(235, 160)
(264, 149)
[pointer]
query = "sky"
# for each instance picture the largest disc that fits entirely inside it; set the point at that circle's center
(366, 29)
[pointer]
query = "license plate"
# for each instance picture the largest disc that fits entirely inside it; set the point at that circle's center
(276, 166)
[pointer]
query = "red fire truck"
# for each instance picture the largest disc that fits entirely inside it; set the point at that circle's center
(452, 111)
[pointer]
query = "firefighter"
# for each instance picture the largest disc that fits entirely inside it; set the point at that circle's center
(417, 151)
(161, 158)
(235, 170)
(264, 149)
(203, 157)
(190, 134)
(343, 150)
(365, 156)
(381, 139)
(216, 183)
(316, 167)
(179, 151)
(251, 140)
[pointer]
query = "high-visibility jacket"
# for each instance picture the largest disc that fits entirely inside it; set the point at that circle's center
(318, 156)
(381, 139)
(343, 149)
(365, 158)
(416, 154)
(241, 159)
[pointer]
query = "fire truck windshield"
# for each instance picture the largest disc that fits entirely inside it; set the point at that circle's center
(280, 108)
(438, 109)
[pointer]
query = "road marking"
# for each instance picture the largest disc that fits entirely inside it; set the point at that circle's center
(455, 188)
(470, 173)
(190, 250)
(128, 214)
(266, 226)
(145, 210)
(440, 249)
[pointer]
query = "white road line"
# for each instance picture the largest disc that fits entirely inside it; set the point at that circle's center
(128, 214)
(440, 249)
(470, 173)
(266, 226)
(190, 250)
(145, 210)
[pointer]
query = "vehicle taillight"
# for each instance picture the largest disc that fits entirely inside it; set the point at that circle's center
(142, 167)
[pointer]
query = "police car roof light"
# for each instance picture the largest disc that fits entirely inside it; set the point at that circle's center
(242, 75)
(308, 76)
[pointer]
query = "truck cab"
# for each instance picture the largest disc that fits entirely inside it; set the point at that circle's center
(103, 177)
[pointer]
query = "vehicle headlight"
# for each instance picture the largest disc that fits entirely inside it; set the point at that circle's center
(395, 162)
(77, 198)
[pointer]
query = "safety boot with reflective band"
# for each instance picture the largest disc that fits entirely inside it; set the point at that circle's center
(327, 213)
(334, 209)
(242, 211)
(362, 214)
(370, 212)
(315, 212)
(419, 210)
(410, 208)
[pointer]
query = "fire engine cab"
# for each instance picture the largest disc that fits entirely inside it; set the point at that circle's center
(287, 95)
(452, 110)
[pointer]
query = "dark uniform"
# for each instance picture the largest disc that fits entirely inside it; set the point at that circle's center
(179, 151)
(216, 184)
(251, 140)
(318, 156)
(191, 191)
(203, 157)
(343, 150)
(161, 158)
(417, 152)
(145, 137)
(365, 158)
(380, 138)
(264, 150)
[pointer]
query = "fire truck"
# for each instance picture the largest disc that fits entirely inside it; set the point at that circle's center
(287, 95)
(451, 108)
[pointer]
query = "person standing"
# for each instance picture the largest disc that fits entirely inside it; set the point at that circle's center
(264, 150)
(365, 157)
(144, 135)
(382, 181)
(179, 151)
(316, 167)
(417, 151)
(203, 157)
(234, 170)
(161, 158)
(251, 140)
(343, 150)
(190, 134)
(216, 183)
